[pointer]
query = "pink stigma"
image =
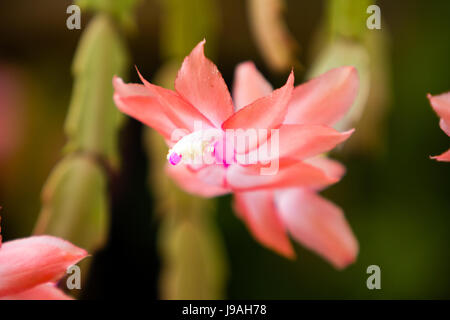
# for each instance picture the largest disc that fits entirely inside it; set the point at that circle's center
(174, 158)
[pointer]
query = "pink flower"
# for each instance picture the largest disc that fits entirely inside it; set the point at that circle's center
(272, 205)
(29, 267)
(441, 104)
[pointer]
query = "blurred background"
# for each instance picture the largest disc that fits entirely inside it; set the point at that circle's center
(395, 198)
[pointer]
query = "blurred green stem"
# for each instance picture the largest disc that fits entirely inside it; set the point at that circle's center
(344, 39)
(347, 18)
(193, 262)
(75, 196)
(277, 45)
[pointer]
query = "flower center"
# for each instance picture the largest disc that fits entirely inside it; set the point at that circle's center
(195, 148)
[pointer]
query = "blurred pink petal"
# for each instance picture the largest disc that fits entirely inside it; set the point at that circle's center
(46, 291)
(301, 142)
(289, 174)
(200, 83)
(257, 209)
(207, 182)
(32, 261)
(319, 225)
(325, 99)
(249, 85)
(445, 126)
(441, 105)
(443, 157)
(331, 167)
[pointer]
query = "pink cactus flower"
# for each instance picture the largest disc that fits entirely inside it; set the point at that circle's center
(275, 204)
(30, 266)
(441, 104)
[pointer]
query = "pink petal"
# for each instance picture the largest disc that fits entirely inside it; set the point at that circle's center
(249, 85)
(325, 99)
(445, 126)
(138, 102)
(46, 291)
(181, 112)
(265, 113)
(300, 142)
(28, 262)
(160, 108)
(129, 90)
(200, 83)
(206, 182)
(290, 173)
(148, 111)
(319, 225)
(257, 209)
(443, 157)
(441, 105)
(331, 167)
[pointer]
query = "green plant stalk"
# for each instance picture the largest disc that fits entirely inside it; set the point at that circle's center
(347, 18)
(344, 39)
(277, 45)
(191, 248)
(75, 196)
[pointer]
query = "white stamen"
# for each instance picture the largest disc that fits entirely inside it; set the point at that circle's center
(193, 147)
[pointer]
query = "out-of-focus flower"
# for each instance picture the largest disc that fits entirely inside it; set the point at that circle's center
(29, 267)
(301, 118)
(441, 104)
